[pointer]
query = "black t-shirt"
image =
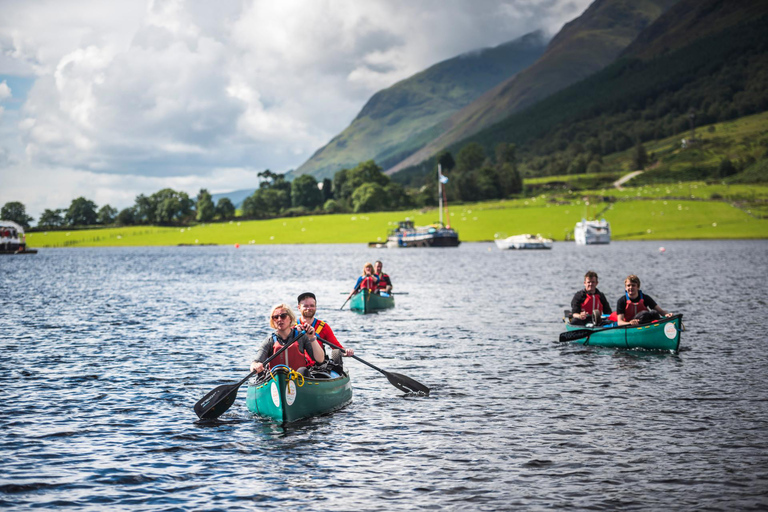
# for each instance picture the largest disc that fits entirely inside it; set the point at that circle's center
(621, 305)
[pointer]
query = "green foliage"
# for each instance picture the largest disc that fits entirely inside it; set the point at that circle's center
(205, 207)
(640, 156)
(16, 212)
(369, 197)
(106, 215)
(166, 206)
(51, 219)
(471, 156)
(225, 209)
(82, 212)
(305, 193)
(126, 217)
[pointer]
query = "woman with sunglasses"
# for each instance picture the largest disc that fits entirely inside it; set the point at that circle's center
(306, 352)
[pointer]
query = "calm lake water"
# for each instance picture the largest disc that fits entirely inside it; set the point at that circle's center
(105, 351)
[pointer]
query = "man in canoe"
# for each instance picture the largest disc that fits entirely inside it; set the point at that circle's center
(307, 310)
(589, 304)
(385, 283)
(636, 308)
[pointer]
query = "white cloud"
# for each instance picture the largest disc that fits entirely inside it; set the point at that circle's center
(171, 89)
(5, 91)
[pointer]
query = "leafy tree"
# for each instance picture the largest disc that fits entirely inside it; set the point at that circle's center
(327, 189)
(126, 217)
(578, 164)
(470, 157)
(369, 197)
(254, 206)
(144, 210)
(51, 219)
(225, 209)
(397, 197)
(164, 207)
(106, 215)
(304, 192)
(82, 212)
(726, 168)
(205, 208)
(639, 156)
(16, 212)
(446, 161)
(365, 172)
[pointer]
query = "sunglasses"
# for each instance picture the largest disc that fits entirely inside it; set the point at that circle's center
(281, 316)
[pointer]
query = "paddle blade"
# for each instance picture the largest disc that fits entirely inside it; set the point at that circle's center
(575, 335)
(406, 384)
(216, 402)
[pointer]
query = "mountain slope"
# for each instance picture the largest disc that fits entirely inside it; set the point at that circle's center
(719, 76)
(397, 120)
(582, 47)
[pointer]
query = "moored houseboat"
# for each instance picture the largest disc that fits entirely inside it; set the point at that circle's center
(13, 239)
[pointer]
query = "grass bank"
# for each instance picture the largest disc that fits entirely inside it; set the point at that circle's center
(631, 219)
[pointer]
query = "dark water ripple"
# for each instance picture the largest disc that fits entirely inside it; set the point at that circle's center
(104, 352)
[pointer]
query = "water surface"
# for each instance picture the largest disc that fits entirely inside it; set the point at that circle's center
(105, 351)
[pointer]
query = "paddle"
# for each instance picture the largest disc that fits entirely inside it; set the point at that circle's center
(575, 335)
(217, 401)
(351, 294)
(401, 382)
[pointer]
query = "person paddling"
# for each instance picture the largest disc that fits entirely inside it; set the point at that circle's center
(367, 281)
(306, 352)
(307, 310)
(635, 307)
(384, 285)
(590, 303)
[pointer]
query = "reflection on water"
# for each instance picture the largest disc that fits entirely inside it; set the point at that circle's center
(105, 351)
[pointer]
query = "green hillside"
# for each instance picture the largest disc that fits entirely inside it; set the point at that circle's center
(582, 47)
(718, 77)
(398, 120)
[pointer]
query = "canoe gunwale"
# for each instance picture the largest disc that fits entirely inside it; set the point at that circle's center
(612, 336)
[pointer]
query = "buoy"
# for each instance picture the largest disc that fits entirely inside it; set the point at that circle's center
(237, 246)
(661, 249)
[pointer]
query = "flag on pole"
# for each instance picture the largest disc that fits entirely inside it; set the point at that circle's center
(443, 179)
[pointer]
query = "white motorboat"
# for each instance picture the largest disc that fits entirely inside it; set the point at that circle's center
(589, 232)
(524, 242)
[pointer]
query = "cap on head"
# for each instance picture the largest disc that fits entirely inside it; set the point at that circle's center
(306, 295)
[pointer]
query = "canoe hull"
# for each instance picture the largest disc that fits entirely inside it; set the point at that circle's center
(661, 335)
(367, 302)
(285, 400)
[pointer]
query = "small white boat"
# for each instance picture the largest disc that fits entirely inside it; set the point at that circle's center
(589, 232)
(12, 239)
(524, 242)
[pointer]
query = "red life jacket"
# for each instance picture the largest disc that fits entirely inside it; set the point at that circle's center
(592, 303)
(368, 283)
(292, 357)
(633, 308)
(382, 286)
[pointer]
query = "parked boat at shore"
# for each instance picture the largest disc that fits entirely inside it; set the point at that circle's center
(589, 232)
(663, 334)
(12, 239)
(524, 242)
(286, 396)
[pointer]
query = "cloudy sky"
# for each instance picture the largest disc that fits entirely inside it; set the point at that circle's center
(108, 100)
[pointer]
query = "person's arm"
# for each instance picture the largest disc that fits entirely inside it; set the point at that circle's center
(257, 365)
(661, 311)
(621, 307)
(576, 311)
(606, 305)
(331, 337)
(388, 289)
(311, 345)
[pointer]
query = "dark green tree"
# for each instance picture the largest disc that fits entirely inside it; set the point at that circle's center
(126, 217)
(225, 209)
(471, 157)
(305, 192)
(327, 189)
(639, 156)
(365, 172)
(51, 219)
(446, 161)
(106, 215)
(82, 212)
(205, 208)
(16, 212)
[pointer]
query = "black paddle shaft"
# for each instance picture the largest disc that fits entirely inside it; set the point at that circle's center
(218, 400)
(401, 382)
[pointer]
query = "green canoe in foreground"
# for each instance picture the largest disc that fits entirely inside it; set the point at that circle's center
(285, 397)
(661, 335)
(367, 302)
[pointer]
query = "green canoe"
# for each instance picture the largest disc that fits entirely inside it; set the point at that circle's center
(285, 396)
(367, 302)
(661, 335)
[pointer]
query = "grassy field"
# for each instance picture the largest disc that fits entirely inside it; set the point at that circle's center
(631, 219)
